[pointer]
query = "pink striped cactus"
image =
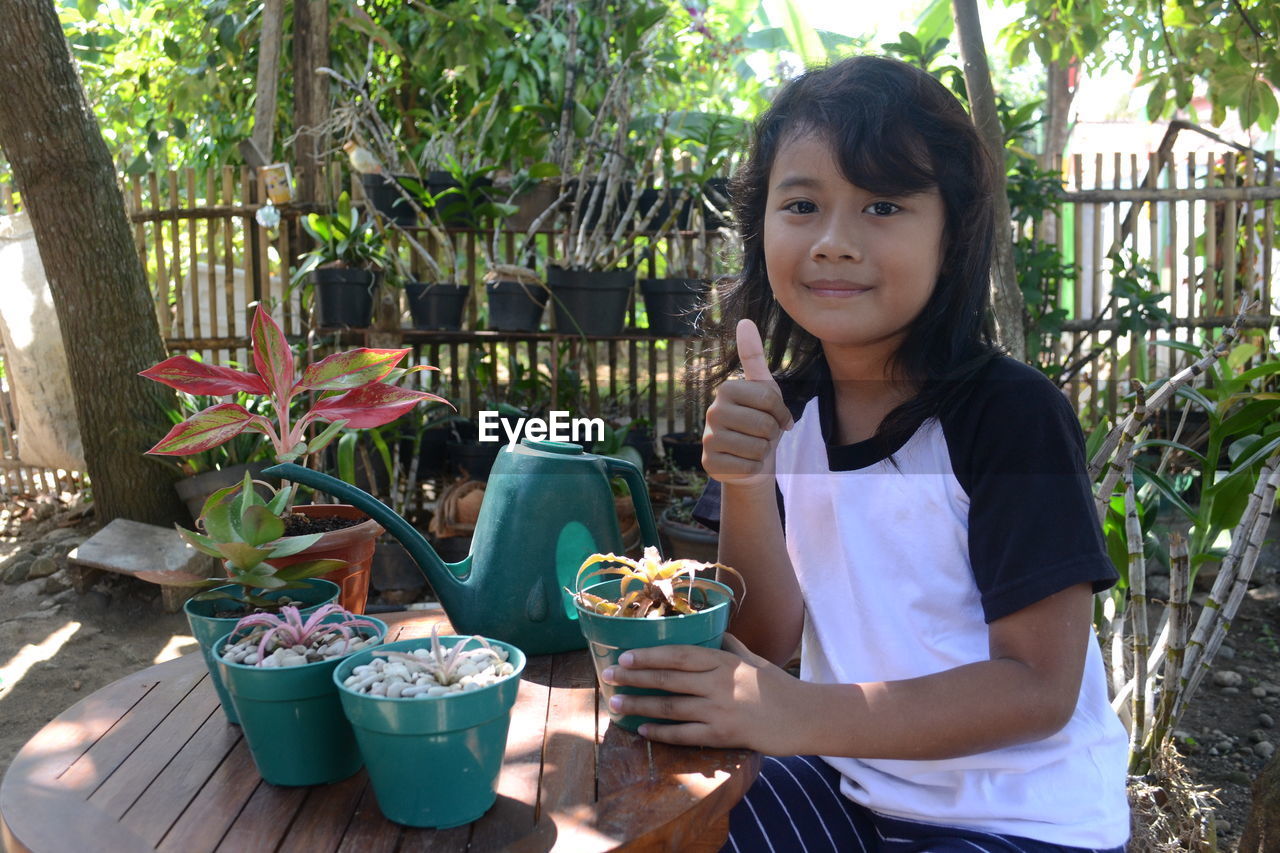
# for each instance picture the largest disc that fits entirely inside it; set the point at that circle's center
(356, 389)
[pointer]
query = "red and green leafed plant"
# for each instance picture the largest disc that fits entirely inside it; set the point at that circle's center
(356, 389)
(651, 586)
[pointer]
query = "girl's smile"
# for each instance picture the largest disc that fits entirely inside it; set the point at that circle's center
(851, 267)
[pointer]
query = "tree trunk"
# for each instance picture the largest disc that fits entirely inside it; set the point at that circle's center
(311, 94)
(1006, 301)
(68, 183)
(1059, 95)
(264, 105)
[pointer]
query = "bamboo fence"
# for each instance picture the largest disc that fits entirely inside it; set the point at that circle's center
(208, 260)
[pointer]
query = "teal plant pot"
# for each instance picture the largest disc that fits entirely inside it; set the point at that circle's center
(609, 636)
(207, 628)
(292, 718)
(432, 762)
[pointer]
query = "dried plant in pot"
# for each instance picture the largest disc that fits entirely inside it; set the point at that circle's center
(278, 669)
(443, 704)
(649, 602)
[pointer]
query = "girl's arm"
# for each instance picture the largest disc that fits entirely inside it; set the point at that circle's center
(743, 426)
(771, 615)
(1026, 691)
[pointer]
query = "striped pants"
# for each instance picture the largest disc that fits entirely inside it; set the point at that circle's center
(795, 806)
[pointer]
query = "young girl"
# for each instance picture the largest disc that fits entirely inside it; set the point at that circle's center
(906, 505)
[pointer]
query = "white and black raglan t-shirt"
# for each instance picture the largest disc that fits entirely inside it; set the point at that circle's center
(987, 510)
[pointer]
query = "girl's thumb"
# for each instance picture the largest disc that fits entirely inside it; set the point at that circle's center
(751, 352)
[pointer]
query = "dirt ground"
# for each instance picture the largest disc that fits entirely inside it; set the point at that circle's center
(58, 645)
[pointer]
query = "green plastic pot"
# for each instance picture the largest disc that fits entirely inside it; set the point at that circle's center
(292, 718)
(207, 628)
(432, 762)
(609, 636)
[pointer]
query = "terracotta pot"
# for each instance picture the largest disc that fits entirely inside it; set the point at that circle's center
(353, 544)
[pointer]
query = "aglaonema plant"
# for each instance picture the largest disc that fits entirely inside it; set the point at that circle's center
(356, 390)
(244, 530)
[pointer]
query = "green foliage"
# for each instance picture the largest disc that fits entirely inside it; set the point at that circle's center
(170, 82)
(1227, 46)
(343, 238)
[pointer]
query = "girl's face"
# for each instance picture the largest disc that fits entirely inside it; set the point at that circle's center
(852, 268)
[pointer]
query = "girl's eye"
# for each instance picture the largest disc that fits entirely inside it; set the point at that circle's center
(884, 208)
(801, 207)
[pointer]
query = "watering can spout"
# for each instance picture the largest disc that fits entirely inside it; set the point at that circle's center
(447, 579)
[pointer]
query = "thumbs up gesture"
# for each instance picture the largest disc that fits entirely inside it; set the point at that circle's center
(746, 419)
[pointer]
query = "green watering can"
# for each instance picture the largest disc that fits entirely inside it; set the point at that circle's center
(547, 507)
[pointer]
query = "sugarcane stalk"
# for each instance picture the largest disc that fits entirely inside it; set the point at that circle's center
(1158, 396)
(1138, 603)
(1179, 619)
(1251, 531)
(1131, 428)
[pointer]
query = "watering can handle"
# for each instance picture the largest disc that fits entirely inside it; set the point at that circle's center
(639, 497)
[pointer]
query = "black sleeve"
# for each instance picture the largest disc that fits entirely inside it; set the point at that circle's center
(1018, 452)
(707, 510)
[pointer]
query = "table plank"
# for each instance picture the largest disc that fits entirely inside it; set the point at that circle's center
(208, 816)
(164, 800)
(320, 823)
(512, 816)
(568, 792)
(121, 789)
(264, 820)
(369, 831)
(165, 688)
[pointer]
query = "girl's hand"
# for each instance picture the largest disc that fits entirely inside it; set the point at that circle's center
(746, 419)
(733, 698)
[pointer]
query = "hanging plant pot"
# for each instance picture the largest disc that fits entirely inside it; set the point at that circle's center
(207, 627)
(515, 306)
(344, 297)
(437, 307)
(433, 760)
(609, 636)
(671, 304)
(354, 544)
(590, 302)
(383, 193)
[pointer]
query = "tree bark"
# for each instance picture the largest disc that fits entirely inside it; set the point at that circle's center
(68, 183)
(1006, 299)
(264, 105)
(311, 94)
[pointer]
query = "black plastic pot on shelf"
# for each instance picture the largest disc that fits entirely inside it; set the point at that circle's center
(436, 307)
(671, 304)
(590, 302)
(684, 449)
(344, 297)
(514, 306)
(454, 210)
(384, 194)
(473, 459)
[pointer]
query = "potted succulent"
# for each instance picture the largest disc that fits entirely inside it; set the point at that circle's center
(361, 394)
(344, 266)
(431, 719)
(278, 669)
(245, 532)
(651, 602)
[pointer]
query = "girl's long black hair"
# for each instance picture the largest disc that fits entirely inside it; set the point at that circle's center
(895, 130)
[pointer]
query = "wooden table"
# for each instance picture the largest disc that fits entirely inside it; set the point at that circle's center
(150, 763)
